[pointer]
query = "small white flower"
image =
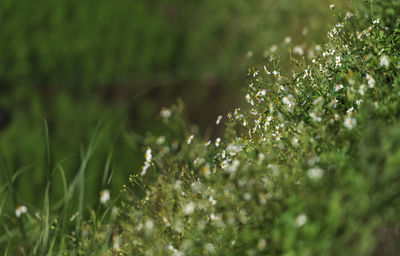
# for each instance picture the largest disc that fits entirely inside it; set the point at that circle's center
(218, 120)
(273, 48)
(377, 21)
(149, 225)
(338, 87)
(371, 81)
(212, 200)
(165, 113)
(350, 123)
(384, 61)
(331, 6)
(361, 90)
(301, 220)
(73, 217)
(104, 196)
(189, 139)
(338, 61)
(148, 155)
(217, 141)
(315, 173)
(298, 50)
(315, 117)
(144, 169)
(21, 209)
(189, 208)
(288, 40)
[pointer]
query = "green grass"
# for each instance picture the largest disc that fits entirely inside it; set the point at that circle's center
(327, 186)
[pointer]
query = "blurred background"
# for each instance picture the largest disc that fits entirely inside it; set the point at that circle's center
(75, 63)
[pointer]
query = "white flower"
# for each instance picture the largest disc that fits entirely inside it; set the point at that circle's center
(73, 217)
(21, 209)
(273, 48)
(331, 6)
(338, 87)
(289, 101)
(349, 15)
(148, 155)
(298, 50)
(350, 123)
(371, 81)
(217, 141)
(384, 61)
(218, 120)
(361, 90)
(212, 200)
(315, 118)
(165, 113)
(189, 139)
(315, 173)
(144, 169)
(288, 40)
(338, 61)
(104, 196)
(301, 220)
(149, 225)
(377, 21)
(189, 208)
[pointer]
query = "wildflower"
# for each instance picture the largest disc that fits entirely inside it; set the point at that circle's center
(218, 120)
(165, 113)
(384, 61)
(217, 141)
(144, 169)
(338, 61)
(104, 196)
(21, 209)
(149, 225)
(298, 50)
(273, 48)
(212, 201)
(288, 40)
(288, 101)
(377, 21)
(189, 208)
(371, 81)
(338, 87)
(350, 123)
(315, 118)
(73, 217)
(146, 165)
(361, 90)
(249, 54)
(331, 6)
(266, 71)
(301, 220)
(349, 15)
(148, 155)
(315, 173)
(189, 139)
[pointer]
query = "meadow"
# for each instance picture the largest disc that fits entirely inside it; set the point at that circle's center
(186, 128)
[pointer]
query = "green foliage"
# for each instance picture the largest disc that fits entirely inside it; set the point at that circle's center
(310, 168)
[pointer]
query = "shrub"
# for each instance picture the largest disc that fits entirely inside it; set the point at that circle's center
(310, 168)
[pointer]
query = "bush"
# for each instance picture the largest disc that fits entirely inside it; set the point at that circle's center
(310, 168)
